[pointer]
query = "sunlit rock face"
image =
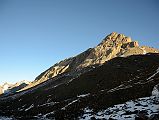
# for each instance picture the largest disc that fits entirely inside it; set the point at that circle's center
(5, 88)
(101, 92)
(113, 45)
(90, 82)
(1, 89)
(8, 88)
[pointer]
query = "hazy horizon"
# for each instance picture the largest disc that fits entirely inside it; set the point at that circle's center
(36, 34)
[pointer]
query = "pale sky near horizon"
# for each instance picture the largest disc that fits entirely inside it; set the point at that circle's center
(35, 34)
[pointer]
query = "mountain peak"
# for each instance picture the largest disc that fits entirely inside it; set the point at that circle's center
(12, 88)
(115, 39)
(113, 45)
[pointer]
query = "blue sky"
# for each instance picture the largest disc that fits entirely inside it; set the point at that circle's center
(35, 34)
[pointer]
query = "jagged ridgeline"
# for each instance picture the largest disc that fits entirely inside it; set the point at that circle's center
(88, 85)
(8, 88)
(113, 45)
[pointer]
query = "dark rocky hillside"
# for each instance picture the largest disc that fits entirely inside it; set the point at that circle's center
(66, 96)
(113, 45)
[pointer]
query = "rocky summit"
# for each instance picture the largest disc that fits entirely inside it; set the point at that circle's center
(117, 79)
(113, 45)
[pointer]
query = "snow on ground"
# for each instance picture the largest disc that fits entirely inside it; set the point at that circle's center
(31, 106)
(70, 80)
(155, 91)
(126, 111)
(44, 116)
(5, 118)
(120, 87)
(69, 104)
(157, 71)
(48, 104)
(122, 55)
(83, 95)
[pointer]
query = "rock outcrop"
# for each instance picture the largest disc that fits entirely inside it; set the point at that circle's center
(118, 89)
(113, 45)
(8, 88)
(5, 87)
(1, 89)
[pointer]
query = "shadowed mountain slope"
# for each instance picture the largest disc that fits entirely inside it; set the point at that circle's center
(116, 81)
(115, 71)
(113, 45)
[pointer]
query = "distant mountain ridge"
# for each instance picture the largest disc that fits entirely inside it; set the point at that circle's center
(8, 88)
(113, 45)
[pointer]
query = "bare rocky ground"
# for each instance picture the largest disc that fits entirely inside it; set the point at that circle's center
(113, 80)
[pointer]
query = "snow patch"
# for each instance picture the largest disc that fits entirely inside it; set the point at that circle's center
(44, 116)
(84, 95)
(5, 88)
(31, 106)
(69, 104)
(70, 80)
(122, 55)
(120, 87)
(126, 111)
(5, 118)
(155, 91)
(48, 104)
(157, 71)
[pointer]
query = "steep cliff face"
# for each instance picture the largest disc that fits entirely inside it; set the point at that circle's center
(113, 45)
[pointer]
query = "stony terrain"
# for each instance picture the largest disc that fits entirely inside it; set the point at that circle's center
(113, 45)
(146, 108)
(88, 85)
(115, 82)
